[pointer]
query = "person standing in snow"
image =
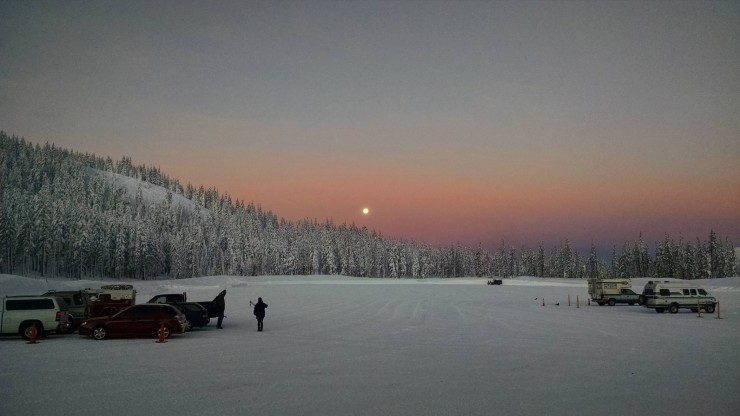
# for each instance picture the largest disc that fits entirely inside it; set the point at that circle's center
(220, 303)
(259, 312)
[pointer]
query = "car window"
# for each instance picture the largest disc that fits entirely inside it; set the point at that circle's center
(128, 314)
(77, 299)
(665, 292)
(686, 292)
(67, 301)
(137, 312)
(693, 292)
(151, 311)
(702, 292)
(26, 304)
(168, 311)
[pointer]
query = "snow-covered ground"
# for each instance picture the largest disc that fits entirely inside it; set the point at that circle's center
(348, 346)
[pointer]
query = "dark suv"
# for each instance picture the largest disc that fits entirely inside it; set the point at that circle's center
(136, 321)
(196, 314)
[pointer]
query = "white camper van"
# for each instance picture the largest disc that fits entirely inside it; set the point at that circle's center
(672, 296)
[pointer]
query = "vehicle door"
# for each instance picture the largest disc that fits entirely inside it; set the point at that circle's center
(79, 306)
(148, 320)
(702, 296)
(120, 324)
(128, 323)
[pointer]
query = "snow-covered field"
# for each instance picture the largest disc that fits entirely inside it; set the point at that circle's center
(348, 346)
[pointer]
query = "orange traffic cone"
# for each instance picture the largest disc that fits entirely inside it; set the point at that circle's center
(33, 334)
(161, 334)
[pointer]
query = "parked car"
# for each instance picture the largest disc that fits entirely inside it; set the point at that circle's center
(19, 314)
(170, 298)
(143, 320)
(196, 314)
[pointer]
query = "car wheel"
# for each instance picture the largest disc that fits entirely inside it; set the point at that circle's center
(26, 331)
(641, 300)
(188, 327)
(166, 332)
(673, 308)
(709, 308)
(612, 302)
(631, 303)
(99, 333)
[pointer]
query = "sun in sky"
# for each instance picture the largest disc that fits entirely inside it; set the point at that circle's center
(365, 211)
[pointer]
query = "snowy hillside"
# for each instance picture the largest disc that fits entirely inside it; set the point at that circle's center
(352, 346)
(151, 194)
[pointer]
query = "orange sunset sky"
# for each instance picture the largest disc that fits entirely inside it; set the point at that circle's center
(452, 121)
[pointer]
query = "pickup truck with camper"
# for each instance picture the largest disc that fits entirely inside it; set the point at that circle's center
(672, 296)
(171, 298)
(91, 303)
(20, 314)
(612, 291)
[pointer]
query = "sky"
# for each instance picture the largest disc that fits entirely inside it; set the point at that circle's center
(464, 122)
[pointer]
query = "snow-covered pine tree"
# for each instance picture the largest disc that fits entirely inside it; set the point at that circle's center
(592, 266)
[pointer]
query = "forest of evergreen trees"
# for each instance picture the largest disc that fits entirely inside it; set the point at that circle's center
(59, 217)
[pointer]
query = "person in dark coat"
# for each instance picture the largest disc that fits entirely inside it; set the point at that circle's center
(259, 312)
(220, 303)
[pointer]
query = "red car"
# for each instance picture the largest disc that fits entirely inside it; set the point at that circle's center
(136, 321)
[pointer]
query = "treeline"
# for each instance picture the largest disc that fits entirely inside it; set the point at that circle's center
(62, 215)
